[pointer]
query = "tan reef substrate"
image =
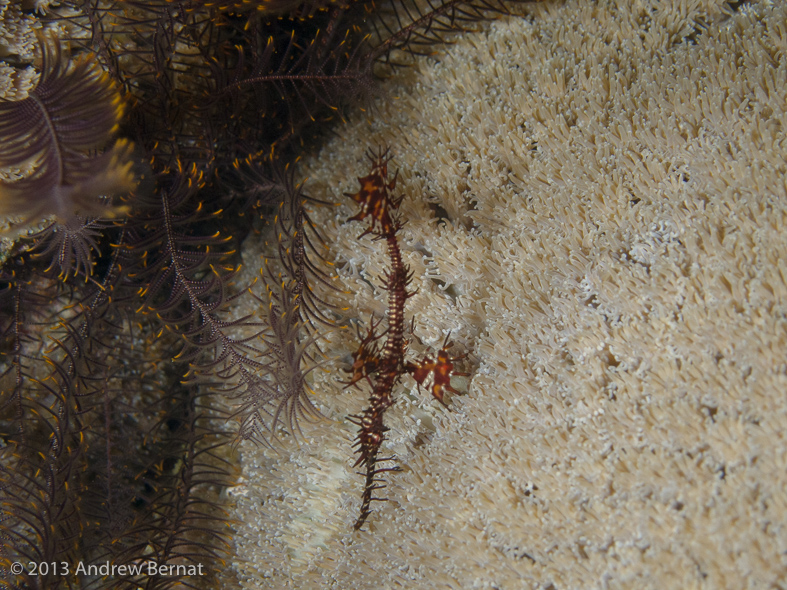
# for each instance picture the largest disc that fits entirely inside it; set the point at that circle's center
(611, 251)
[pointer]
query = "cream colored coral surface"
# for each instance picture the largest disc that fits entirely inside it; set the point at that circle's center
(595, 206)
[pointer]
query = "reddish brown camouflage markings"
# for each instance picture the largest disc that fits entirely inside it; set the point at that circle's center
(443, 369)
(384, 368)
(375, 198)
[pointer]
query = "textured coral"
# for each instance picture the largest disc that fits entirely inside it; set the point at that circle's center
(17, 31)
(595, 201)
